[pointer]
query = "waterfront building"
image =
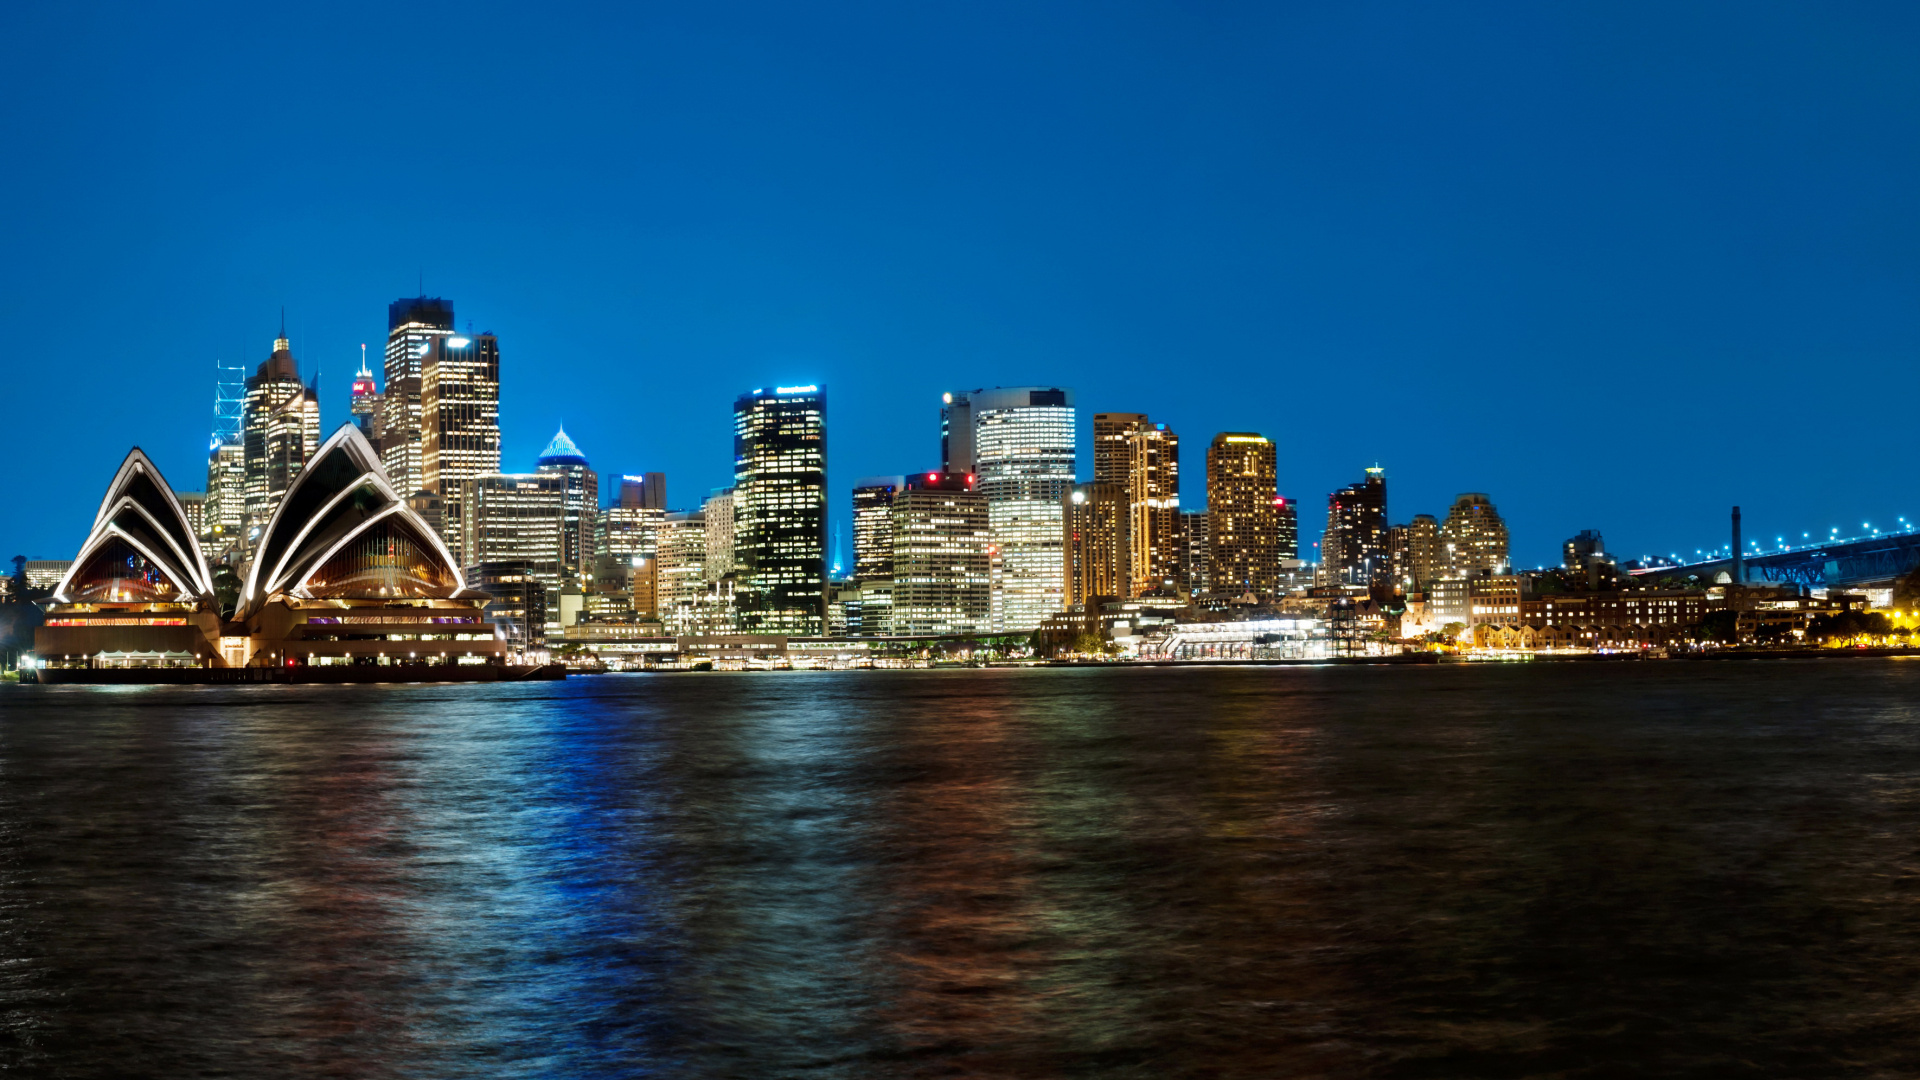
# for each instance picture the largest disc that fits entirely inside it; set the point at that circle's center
(1473, 539)
(459, 423)
(1423, 560)
(1023, 457)
(681, 567)
(1193, 546)
(940, 572)
(1243, 514)
(563, 459)
(280, 429)
(1354, 549)
(224, 518)
(1153, 509)
(412, 325)
(718, 512)
(780, 509)
(519, 518)
(516, 603)
(364, 404)
(876, 609)
(873, 526)
(645, 589)
(139, 594)
(1095, 555)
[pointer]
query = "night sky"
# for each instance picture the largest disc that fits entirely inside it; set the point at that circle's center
(1620, 266)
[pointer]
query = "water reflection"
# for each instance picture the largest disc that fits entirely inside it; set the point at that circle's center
(1568, 870)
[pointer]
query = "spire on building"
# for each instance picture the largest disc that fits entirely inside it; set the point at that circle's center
(561, 448)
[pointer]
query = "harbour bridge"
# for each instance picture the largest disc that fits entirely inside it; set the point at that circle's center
(1856, 562)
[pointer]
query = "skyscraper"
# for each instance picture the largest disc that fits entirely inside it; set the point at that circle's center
(459, 423)
(364, 405)
(1354, 548)
(280, 429)
(1423, 552)
(681, 569)
(1473, 539)
(1243, 528)
(1113, 446)
(225, 515)
(518, 518)
(1193, 546)
(939, 556)
(411, 325)
(873, 526)
(780, 509)
(1095, 556)
(1153, 508)
(563, 459)
(718, 510)
(1023, 456)
(956, 433)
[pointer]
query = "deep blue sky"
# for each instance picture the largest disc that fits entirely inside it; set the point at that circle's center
(1618, 265)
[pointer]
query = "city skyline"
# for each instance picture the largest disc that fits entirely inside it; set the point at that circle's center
(1477, 208)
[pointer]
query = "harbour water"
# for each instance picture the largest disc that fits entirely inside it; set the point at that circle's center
(1476, 871)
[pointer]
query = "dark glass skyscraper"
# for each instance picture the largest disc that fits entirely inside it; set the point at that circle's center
(1354, 548)
(780, 509)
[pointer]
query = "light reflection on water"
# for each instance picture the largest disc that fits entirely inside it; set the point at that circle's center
(1523, 870)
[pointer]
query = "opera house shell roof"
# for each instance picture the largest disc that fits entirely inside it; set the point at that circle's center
(141, 549)
(342, 532)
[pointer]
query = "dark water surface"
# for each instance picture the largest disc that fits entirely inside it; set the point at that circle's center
(1528, 870)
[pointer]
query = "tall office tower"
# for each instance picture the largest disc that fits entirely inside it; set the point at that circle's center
(628, 530)
(873, 526)
(1153, 509)
(1243, 514)
(1423, 551)
(1288, 523)
(1023, 456)
(364, 406)
(194, 505)
(1193, 547)
(411, 325)
(1354, 548)
(956, 433)
(562, 458)
(1399, 556)
(939, 557)
(647, 491)
(459, 424)
(518, 518)
(681, 569)
(718, 510)
(226, 510)
(1113, 446)
(280, 429)
(1095, 532)
(780, 509)
(1473, 539)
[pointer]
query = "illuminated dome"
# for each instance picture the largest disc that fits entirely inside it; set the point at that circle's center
(561, 451)
(343, 532)
(141, 549)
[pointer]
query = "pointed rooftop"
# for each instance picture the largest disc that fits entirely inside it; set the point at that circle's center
(561, 451)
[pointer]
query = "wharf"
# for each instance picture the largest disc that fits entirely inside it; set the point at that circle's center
(357, 673)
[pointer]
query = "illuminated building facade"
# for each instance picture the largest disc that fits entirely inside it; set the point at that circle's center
(1422, 562)
(1473, 539)
(225, 515)
(280, 429)
(518, 517)
(780, 509)
(1193, 547)
(1354, 548)
(1153, 509)
(956, 432)
(939, 561)
(364, 404)
(1113, 447)
(681, 568)
(873, 526)
(563, 459)
(1023, 456)
(1095, 556)
(459, 424)
(412, 324)
(194, 505)
(1243, 514)
(718, 511)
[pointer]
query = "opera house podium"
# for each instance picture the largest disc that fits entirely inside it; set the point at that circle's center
(346, 584)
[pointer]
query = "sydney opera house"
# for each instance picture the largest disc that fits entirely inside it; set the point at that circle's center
(346, 581)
